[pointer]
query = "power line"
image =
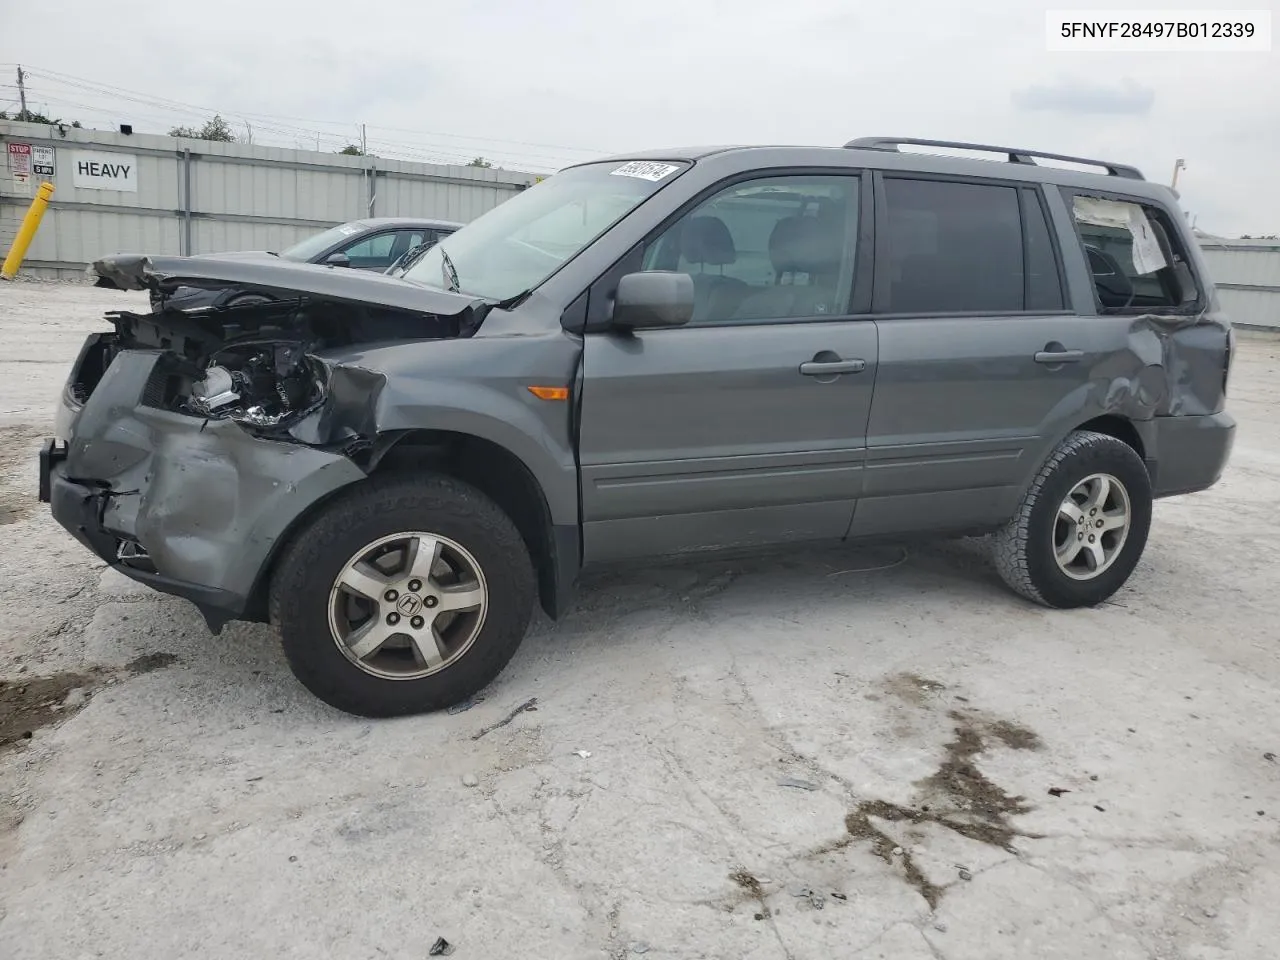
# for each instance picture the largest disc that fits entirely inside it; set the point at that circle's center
(296, 136)
(281, 122)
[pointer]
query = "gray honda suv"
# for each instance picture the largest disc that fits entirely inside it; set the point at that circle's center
(652, 356)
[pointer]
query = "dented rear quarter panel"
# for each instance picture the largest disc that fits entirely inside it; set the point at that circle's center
(1156, 365)
(1180, 353)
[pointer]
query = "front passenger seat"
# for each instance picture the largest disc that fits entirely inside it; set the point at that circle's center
(798, 246)
(706, 241)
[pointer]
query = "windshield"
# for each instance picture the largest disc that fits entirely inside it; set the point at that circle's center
(521, 242)
(304, 250)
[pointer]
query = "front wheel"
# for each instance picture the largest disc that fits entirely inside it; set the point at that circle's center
(407, 595)
(1082, 525)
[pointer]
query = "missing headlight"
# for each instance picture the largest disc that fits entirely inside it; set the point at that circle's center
(261, 384)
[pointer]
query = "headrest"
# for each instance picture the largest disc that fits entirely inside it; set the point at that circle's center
(804, 245)
(707, 240)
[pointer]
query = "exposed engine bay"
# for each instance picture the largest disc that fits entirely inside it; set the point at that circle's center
(256, 362)
(258, 383)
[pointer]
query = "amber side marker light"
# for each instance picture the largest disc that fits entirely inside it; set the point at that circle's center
(550, 393)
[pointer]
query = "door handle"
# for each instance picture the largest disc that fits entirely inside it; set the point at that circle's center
(1059, 356)
(830, 368)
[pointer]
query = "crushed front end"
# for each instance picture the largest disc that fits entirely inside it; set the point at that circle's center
(188, 442)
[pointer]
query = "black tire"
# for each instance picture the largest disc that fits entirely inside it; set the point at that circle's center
(381, 507)
(1023, 550)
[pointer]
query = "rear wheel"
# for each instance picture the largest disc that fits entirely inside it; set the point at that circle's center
(1082, 525)
(405, 596)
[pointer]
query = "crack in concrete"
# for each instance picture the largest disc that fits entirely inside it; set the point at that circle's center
(753, 891)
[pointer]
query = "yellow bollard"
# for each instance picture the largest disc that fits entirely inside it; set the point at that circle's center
(26, 232)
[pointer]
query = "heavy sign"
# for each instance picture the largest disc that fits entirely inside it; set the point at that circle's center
(104, 171)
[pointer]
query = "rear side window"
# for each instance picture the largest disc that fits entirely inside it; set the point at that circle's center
(1132, 256)
(952, 247)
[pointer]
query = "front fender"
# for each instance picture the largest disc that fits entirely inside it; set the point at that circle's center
(475, 386)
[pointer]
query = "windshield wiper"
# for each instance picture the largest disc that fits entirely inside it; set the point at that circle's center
(449, 271)
(412, 257)
(513, 301)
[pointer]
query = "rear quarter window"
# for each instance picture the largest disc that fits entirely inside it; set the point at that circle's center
(1135, 258)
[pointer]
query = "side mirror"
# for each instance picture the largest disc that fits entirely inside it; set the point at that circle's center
(655, 298)
(338, 260)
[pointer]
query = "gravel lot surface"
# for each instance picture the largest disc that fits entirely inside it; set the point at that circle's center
(844, 753)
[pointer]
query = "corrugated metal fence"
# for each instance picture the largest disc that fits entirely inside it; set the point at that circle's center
(150, 194)
(1247, 275)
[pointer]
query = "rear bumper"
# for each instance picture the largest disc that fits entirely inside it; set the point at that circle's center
(1190, 452)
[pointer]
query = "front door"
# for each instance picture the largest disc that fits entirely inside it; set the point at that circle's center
(748, 425)
(982, 367)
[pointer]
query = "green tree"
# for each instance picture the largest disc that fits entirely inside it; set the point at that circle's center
(34, 117)
(480, 162)
(215, 129)
(352, 150)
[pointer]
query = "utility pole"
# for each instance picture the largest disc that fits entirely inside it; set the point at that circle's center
(1177, 165)
(22, 93)
(364, 141)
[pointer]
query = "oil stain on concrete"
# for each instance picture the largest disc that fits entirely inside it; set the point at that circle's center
(27, 704)
(957, 796)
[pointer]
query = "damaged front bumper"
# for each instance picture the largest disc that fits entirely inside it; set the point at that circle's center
(192, 507)
(78, 507)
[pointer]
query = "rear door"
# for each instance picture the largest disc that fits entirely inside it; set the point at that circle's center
(747, 426)
(982, 365)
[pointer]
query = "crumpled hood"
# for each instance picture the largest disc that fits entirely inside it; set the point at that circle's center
(280, 277)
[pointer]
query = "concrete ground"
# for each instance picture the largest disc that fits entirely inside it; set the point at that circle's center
(850, 753)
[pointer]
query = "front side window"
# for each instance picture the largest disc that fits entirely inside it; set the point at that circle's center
(377, 247)
(306, 249)
(519, 243)
(1131, 257)
(772, 248)
(952, 247)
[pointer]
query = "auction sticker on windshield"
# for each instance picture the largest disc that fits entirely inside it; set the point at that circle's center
(646, 170)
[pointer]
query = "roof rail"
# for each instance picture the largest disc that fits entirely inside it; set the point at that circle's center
(1015, 154)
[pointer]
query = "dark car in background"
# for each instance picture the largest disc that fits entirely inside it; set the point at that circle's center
(375, 244)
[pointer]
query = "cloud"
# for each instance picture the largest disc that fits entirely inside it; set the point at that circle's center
(537, 86)
(1070, 95)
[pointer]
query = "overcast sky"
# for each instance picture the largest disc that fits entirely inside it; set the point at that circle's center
(537, 85)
